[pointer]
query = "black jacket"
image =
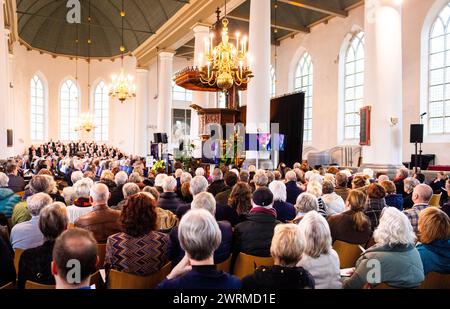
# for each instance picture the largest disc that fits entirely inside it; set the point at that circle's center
(7, 270)
(116, 196)
(254, 236)
(277, 278)
(35, 265)
(292, 192)
(16, 183)
(169, 201)
(217, 186)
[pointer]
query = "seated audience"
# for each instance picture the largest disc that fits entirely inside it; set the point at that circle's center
(108, 178)
(218, 184)
(292, 189)
(318, 257)
(315, 188)
(421, 196)
(434, 237)
(199, 236)
(7, 270)
(446, 206)
(197, 185)
(254, 235)
(240, 200)
(408, 185)
(159, 179)
(137, 178)
(351, 226)
(121, 179)
(205, 200)
(16, 183)
(401, 175)
(335, 203)
(78, 245)
(438, 183)
(8, 199)
(186, 195)
(244, 176)
(398, 259)
(69, 195)
(286, 250)
(230, 180)
(27, 235)
(392, 198)
(169, 200)
(82, 204)
(306, 202)
(166, 219)
(285, 211)
(375, 203)
(140, 249)
(35, 263)
(260, 179)
(128, 190)
(102, 221)
(360, 182)
(342, 185)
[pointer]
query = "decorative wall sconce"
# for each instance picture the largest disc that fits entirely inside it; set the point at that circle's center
(394, 121)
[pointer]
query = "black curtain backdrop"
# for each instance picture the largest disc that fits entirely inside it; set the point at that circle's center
(289, 112)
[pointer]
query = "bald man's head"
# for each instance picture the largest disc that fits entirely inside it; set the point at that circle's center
(99, 193)
(422, 194)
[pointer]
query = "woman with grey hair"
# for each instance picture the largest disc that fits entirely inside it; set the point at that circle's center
(128, 189)
(199, 236)
(315, 188)
(285, 211)
(335, 203)
(82, 204)
(318, 256)
(137, 179)
(306, 202)
(409, 184)
(397, 259)
(53, 221)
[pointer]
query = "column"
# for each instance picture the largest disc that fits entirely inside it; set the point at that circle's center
(201, 33)
(165, 93)
(5, 151)
(383, 84)
(141, 105)
(258, 100)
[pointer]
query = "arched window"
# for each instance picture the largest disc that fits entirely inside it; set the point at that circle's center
(303, 81)
(37, 104)
(353, 86)
(101, 112)
(439, 75)
(69, 110)
(273, 82)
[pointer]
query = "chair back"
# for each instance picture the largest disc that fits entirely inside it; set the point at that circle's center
(348, 253)
(8, 286)
(225, 265)
(436, 281)
(97, 280)
(101, 252)
(17, 254)
(30, 285)
(122, 280)
(246, 264)
(435, 200)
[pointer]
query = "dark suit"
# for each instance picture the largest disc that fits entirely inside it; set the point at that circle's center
(16, 183)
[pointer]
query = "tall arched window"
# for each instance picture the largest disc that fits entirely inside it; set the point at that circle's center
(353, 86)
(303, 81)
(439, 75)
(37, 104)
(101, 112)
(273, 82)
(69, 110)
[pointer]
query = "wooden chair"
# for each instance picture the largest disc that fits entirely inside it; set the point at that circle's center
(436, 281)
(30, 285)
(435, 200)
(9, 286)
(246, 264)
(96, 278)
(17, 255)
(348, 253)
(70, 226)
(122, 280)
(225, 265)
(101, 252)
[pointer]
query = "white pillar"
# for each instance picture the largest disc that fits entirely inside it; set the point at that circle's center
(258, 102)
(165, 93)
(201, 33)
(383, 83)
(140, 113)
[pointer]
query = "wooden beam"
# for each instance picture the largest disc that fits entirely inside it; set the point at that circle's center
(318, 7)
(292, 28)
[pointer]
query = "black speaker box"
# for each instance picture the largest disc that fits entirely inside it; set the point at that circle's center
(9, 138)
(416, 133)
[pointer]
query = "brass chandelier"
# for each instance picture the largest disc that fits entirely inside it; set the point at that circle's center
(226, 64)
(122, 86)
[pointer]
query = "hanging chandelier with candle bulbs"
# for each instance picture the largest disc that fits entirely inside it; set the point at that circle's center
(122, 85)
(226, 64)
(85, 123)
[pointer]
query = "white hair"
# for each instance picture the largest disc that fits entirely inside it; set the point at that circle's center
(200, 171)
(217, 174)
(368, 172)
(76, 175)
(135, 177)
(169, 184)
(315, 188)
(99, 193)
(159, 179)
(330, 177)
(278, 189)
(306, 202)
(197, 185)
(316, 234)
(308, 174)
(4, 180)
(260, 178)
(316, 177)
(235, 171)
(410, 183)
(121, 178)
(204, 200)
(130, 189)
(394, 228)
(37, 202)
(382, 178)
(185, 177)
(83, 188)
(291, 176)
(69, 195)
(178, 172)
(347, 172)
